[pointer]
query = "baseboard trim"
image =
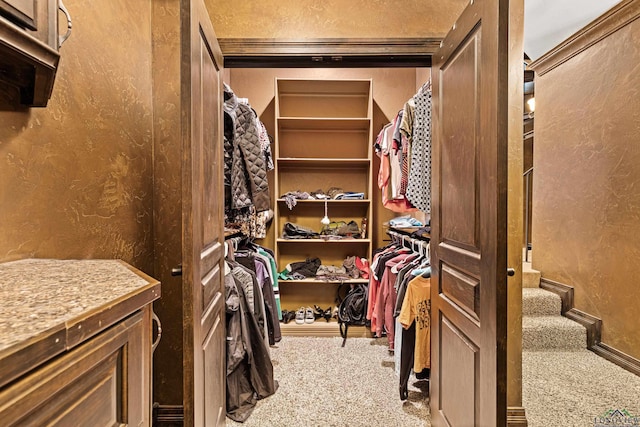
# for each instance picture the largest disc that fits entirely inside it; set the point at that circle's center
(168, 415)
(621, 359)
(564, 291)
(516, 417)
(592, 324)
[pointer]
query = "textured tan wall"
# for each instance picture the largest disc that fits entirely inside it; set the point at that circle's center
(75, 177)
(586, 210)
(392, 87)
(333, 18)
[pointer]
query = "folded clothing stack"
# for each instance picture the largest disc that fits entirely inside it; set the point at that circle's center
(300, 270)
(334, 193)
(353, 267)
(404, 222)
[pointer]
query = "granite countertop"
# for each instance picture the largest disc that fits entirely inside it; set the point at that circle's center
(39, 295)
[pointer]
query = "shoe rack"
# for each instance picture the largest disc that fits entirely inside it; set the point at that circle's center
(323, 139)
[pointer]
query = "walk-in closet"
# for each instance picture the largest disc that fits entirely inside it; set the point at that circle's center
(317, 165)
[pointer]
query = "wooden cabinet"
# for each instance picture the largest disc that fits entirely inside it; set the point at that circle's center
(29, 44)
(22, 12)
(80, 360)
(323, 140)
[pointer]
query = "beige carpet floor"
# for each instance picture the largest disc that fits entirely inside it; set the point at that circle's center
(575, 388)
(323, 384)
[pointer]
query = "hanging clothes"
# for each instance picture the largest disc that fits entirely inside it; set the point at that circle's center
(249, 366)
(387, 295)
(258, 266)
(415, 318)
(419, 181)
(390, 172)
(404, 149)
(260, 263)
(375, 281)
(399, 304)
(247, 158)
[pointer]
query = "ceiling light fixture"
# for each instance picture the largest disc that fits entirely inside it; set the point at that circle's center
(531, 102)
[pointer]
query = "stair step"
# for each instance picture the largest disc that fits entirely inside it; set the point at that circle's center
(540, 302)
(552, 333)
(530, 277)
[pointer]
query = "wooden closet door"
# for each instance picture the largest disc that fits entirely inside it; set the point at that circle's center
(203, 235)
(469, 219)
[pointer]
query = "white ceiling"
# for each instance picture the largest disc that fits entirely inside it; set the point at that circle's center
(549, 22)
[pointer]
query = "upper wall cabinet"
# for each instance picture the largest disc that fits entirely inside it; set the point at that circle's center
(29, 43)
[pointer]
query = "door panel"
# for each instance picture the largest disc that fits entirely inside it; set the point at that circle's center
(468, 246)
(459, 155)
(204, 340)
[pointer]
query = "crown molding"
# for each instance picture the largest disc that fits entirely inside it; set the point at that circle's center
(608, 23)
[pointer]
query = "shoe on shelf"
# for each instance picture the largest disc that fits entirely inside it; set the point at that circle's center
(288, 316)
(308, 316)
(321, 313)
(300, 314)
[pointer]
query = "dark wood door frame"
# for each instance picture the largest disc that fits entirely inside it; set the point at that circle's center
(328, 53)
(282, 53)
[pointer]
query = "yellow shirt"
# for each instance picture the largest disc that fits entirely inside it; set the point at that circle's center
(417, 307)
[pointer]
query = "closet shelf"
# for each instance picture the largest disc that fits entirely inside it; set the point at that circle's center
(324, 123)
(323, 282)
(320, 328)
(323, 241)
(322, 162)
(363, 202)
(323, 140)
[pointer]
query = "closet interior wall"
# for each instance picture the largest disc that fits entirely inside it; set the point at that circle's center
(392, 87)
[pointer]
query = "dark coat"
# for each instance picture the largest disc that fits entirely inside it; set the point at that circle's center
(249, 367)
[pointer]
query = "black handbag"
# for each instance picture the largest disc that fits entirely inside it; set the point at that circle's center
(295, 231)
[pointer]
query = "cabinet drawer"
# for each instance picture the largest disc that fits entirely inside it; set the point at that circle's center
(99, 383)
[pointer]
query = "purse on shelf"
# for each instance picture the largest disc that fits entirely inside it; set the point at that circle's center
(295, 231)
(332, 228)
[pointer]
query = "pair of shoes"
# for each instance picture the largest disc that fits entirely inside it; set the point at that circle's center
(288, 316)
(320, 313)
(304, 315)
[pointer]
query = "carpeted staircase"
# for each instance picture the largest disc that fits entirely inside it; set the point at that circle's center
(543, 326)
(563, 383)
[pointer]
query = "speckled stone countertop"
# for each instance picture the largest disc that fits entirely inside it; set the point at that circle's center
(37, 295)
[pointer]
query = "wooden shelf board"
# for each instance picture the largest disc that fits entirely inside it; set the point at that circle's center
(362, 241)
(289, 162)
(324, 124)
(306, 87)
(329, 201)
(321, 328)
(323, 282)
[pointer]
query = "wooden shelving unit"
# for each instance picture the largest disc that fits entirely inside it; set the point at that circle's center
(323, 139)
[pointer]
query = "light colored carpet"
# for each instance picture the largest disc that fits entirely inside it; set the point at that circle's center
(571, 388)
(563, 383)
(540, 302)
(323, 384)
